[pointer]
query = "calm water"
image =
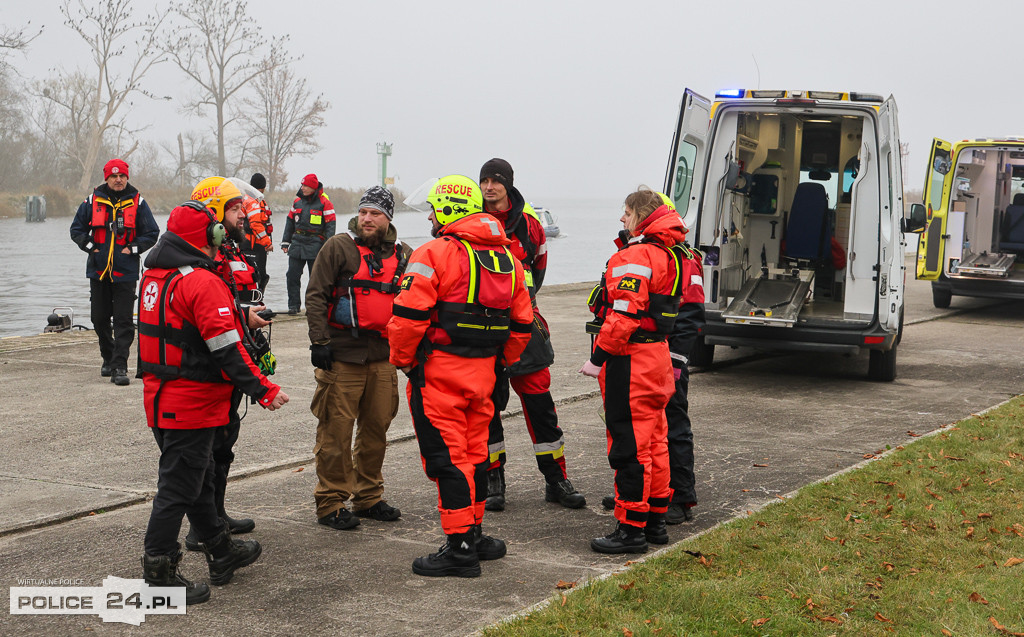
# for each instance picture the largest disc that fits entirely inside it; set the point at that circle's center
(43, 269)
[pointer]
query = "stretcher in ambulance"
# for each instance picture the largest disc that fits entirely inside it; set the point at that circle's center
(796, 199)
(972, 220)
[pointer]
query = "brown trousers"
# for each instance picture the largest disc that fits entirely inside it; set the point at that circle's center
(350, 392)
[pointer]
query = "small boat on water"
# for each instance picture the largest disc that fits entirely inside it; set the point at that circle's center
(548, 220)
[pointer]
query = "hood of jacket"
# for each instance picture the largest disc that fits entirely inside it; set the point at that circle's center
(171, 251)
(481, 227)
(664, 225)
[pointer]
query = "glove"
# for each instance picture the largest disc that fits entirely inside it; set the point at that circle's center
(321, 356)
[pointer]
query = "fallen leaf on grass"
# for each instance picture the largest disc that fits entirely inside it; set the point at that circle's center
(933, 494)
(565, 598)
(823, 569)
(626, 587)
(947, 633)
(970, 531)
(809, 604)
(299, 469)
(830, 619)
(563, 585)
(792, 595)
(627, 632)
(913, 435)
(882, 618)
(977, 599)
(888, 484)
(868, 456)
(1003, 629)
(888, 566)
(759, 622)
(760, 465)
(831, 539)
(991, 482)
(1013, 561)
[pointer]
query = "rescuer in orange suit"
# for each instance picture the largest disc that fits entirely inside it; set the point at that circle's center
(636, 307)
(259, 231)
(462, 307)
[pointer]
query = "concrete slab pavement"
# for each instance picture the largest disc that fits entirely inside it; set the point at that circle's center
(72, 443)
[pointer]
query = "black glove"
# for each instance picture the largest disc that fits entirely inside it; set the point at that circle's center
(321, 356)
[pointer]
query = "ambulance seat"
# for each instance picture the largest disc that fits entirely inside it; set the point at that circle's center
(1011, 231)
(809, 228)
(1018, 199)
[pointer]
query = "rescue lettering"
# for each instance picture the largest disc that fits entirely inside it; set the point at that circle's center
(205, 193)
(454, 189)
(629, 283)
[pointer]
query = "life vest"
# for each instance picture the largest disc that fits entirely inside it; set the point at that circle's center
(309, 217)
(232, 263)
(123, 223)
(473, 319)
(363, 300)
(169, 346)
(659, 319)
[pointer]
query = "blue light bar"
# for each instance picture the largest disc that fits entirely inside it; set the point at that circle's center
(731, 92)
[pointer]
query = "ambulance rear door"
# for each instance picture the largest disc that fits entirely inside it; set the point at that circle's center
(684, 178)
(938, 185)
(890, 238)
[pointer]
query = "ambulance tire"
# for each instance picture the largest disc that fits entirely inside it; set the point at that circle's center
(882, 365)
(702, 354)
(941, 297)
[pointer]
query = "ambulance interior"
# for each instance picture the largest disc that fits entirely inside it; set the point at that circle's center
(777, 220)
(985, 222)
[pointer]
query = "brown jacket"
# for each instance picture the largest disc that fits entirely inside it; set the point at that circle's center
(339, 257)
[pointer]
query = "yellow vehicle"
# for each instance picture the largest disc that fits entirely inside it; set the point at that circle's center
(972, 220)
(795, 198)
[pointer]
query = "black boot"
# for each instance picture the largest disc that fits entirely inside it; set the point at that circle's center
(495, 490)
(456, 557)
(608, 502)
(224, 555)
(487, 547)
(656, 532)
(242, 525)
(626, 538)
(565, 494)
(192, 540)
(162, 570)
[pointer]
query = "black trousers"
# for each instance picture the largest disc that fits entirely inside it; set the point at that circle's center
(223, 454)
(184, 487)
(294, 280)
(113, 302)
(680, 443)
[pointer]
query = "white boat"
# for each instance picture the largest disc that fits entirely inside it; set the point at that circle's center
(548, 220)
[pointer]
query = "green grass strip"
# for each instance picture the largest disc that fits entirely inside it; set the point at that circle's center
(926, 540)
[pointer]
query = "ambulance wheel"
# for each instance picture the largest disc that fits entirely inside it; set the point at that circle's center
(882, 365)
(941, 297)
(702, 353)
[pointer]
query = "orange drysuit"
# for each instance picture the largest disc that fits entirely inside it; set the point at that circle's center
(462, 305)
(636, 371)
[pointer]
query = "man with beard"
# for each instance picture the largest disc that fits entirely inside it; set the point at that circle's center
(226, 200)
(348, 304)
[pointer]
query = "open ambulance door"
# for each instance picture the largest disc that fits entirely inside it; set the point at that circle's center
(938, 185)
(684, 178)
(890, 255)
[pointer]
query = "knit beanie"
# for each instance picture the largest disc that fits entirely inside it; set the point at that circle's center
(379, 198)
(115, 167)
(497, 169)
(258, 181)
(190, 224)
(311, 181)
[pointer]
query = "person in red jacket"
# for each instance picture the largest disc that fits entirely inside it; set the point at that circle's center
(530, 377)
(462, 307)
(636, 308)
(310, 223)
(191, 356)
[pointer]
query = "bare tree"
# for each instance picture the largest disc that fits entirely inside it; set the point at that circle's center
(220, 48)
(192, 157)
(95, 102)
(285, 117)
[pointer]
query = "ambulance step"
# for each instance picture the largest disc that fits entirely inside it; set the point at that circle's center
(774, 301)
(995, 264)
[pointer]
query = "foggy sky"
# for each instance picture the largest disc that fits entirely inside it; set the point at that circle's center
(581, 97)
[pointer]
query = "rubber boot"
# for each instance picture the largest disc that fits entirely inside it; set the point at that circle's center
(162, 570)
(626, 538)
(487, 547)
(224, 555)
(565, 494)
(456, 558)
(495, 489)
(656, 532)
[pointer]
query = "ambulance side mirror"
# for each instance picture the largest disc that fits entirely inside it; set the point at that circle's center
(917, 221)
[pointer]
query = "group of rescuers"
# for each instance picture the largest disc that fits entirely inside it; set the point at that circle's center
(458, 316)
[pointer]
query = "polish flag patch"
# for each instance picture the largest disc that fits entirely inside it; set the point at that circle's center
(224, 311)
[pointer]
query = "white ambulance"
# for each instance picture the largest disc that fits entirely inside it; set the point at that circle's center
(796, 200)
(974, 210)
